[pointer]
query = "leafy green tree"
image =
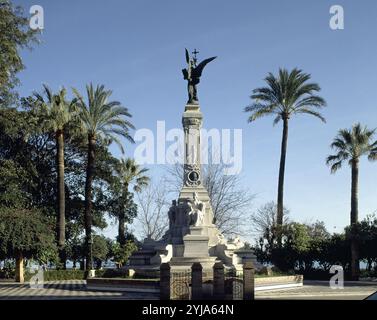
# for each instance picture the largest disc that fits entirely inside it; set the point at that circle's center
(55, 114)
(128, 175)
(365, 233)
(100, 250)
(27, 160)
(121, 253)
(286, 95)
(350, 146)
(101, 121)
(300, 248)
(25, 234)
(15, 35)
(335, 251)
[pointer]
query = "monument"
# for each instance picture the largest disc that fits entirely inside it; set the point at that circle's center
(192, 235)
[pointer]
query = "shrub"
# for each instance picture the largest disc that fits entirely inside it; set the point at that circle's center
(54, 275)
(111, 273)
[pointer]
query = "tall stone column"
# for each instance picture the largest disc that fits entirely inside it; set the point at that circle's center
(192, 120)
(192, 123)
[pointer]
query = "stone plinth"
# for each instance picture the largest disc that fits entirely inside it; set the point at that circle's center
(195, 246)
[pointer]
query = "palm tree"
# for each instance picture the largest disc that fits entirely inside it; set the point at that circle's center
(350, 146)
(288, 94)
(130, 174)
(102, 121)
(56, 114)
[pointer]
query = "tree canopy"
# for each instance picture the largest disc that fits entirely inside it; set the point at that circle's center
(15, 35)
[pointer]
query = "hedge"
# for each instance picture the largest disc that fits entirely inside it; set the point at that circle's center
(71, 274)
(52, 275)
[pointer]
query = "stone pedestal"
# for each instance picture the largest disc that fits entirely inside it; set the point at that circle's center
(195, 246)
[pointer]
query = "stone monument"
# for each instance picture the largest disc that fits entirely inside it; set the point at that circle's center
(192, 235)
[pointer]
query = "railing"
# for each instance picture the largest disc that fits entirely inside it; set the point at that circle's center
(180, 285)
(230, 284)
(233, 284)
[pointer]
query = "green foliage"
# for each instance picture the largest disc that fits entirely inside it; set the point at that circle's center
(311, 250)
(12, 182)
(302, 246)
(111, 273)
(365, 232)
(285, 95)
(351, 145)
(26, 162)
(27, 232)
(128, 174)
(53, 110)
(15, 35)
(121, 253)
(8, 270)
(28, 175)
(103, 120)
(56, 275)
(100, 249)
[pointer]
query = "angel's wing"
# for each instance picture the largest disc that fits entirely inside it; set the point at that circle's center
(187, 56)
(201, 65)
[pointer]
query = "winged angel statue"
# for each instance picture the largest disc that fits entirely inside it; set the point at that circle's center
(192, 74)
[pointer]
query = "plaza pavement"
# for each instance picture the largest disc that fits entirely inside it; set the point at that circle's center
(63, 290)
(76, 290)
(320, 290)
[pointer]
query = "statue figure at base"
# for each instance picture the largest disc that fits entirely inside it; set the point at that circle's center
(172, 213)
(197, 211)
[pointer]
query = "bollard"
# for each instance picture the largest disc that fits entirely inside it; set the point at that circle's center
(165, 281)
(248, 281)
(218, 281)
(197, 281)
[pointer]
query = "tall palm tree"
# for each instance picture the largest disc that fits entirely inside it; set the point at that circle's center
(286, 95)
(56, 114)
(351, 145)
(102, 121)
(130, 175)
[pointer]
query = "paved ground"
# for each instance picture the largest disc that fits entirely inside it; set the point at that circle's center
(62, 290)
(320, 290)
(312, 290)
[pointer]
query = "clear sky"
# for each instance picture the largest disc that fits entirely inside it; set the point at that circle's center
(136, 48)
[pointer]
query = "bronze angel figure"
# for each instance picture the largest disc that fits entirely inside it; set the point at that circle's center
(192, 74)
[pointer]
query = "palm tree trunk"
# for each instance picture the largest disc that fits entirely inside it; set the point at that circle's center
(355, 267)
(61, 196)
(122, 218)
(280, 205)
(88, 202)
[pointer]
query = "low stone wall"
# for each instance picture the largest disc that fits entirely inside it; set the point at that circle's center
(153, 285)
(127, 285)
(279, 282)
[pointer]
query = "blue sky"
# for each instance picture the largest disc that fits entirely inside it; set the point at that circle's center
(136, 48)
